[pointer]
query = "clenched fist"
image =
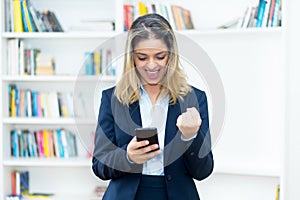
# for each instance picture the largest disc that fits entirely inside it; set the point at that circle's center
(189, 122)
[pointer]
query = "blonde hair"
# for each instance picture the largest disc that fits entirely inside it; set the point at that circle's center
(174, 83)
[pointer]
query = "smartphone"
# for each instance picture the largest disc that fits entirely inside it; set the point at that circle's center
(149, 134)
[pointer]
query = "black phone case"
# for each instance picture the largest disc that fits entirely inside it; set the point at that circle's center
(149, 134)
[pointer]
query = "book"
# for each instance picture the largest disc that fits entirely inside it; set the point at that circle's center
(18, 22)
(260, 13)
(277, 194)
(233, 23)
(53, 21)
(36, 18)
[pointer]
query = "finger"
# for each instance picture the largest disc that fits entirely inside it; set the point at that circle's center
(147, 149)
(179, 120)
(190, 109)
(134, 144)
(151, 155)
(141, 144)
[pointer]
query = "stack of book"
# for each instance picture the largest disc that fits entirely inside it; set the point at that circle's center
(99, 62)
(45, 64)
(179, 17)
(28, 61)
(27, 103)
(20, 188)
(21, 16)
(267, 13)
(43, 143)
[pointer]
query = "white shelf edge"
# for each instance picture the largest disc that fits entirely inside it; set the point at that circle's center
(58, 121)
(99, 35)
(75, 197)
(60, 78)
(48, 162)
(275, 173)
(62, 35)
(213, 32)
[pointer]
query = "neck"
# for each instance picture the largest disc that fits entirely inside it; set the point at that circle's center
(153, 91)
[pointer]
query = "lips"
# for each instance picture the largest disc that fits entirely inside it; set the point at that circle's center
(152, 75)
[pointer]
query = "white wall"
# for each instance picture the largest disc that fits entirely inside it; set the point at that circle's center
(291, 176)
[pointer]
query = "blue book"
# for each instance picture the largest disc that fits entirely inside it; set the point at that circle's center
(15, 143)
(260, 12)
(34, 104)
(24, 17)
(89, 63)
(18, 102)
(30, 19)
(275, 14)
(60, 144)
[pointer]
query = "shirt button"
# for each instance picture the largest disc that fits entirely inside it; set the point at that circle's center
(169, 177)
(192, 153)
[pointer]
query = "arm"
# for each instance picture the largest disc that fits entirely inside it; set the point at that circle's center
(198, 157)
(109, 160)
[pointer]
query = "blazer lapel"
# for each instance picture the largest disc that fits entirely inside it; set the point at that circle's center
(134, 111)
(171, 128)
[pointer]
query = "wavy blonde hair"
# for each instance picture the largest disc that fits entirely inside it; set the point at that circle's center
(174, 84)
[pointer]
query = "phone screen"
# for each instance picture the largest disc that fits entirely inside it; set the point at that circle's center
(149, 134)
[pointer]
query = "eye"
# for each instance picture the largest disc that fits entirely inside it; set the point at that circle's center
(160, 57)
(142, 58)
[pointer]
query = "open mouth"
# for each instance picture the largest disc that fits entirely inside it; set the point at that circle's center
(152, 74)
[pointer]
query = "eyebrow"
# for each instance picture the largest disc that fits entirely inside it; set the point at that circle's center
(143, 54)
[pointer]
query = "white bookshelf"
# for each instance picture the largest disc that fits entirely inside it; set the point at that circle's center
(249, 61)
(48, 162)
(49, 121)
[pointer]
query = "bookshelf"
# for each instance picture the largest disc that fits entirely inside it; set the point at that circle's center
(249, 62)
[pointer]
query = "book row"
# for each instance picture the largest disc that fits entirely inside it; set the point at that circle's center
(43, 143)
(266, 14)
(20, 187)
(21, 16)
(27, 103)
(28, 61)
(99, 62)
(179, 17)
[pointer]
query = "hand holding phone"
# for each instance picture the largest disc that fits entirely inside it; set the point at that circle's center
(149, 134)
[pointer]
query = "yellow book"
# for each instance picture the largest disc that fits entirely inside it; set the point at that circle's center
(27, 16)
(13, 103)
(143, 9)
(97, 62)
(18, 23)
(46, 143)
(277, 192)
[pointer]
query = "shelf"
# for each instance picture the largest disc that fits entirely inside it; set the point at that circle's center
(56, 121)
(58, 78)
(218, 32)
(72, 196)
(99, 35)
(242, 171)
(48, 162)
(61, 35)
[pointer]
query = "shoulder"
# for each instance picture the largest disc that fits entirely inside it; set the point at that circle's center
(109, 92)
(200, 94)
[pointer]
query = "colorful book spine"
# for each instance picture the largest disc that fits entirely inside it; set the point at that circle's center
(18, 23)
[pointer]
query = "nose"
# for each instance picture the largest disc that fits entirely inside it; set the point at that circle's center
(151, 65)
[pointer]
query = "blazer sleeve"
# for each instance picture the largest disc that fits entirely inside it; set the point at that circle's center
(109, 160)
(198, 158)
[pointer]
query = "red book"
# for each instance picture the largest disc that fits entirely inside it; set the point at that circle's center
(13, 183)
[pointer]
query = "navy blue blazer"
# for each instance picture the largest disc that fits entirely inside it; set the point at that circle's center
(183, 161)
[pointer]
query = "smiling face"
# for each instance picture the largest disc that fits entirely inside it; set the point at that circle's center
(151, 58)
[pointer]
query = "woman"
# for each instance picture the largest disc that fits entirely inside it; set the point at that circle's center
(152, 92)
